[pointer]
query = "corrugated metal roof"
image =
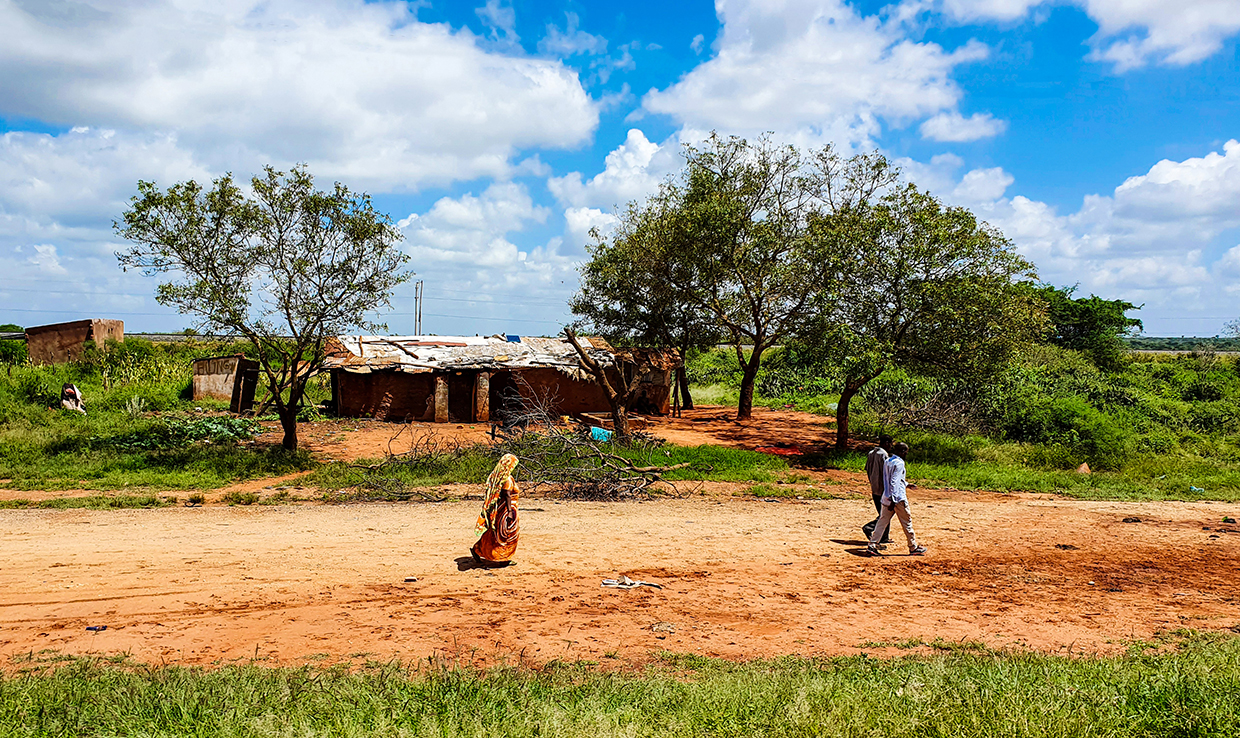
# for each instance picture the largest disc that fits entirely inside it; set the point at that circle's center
(416, 354)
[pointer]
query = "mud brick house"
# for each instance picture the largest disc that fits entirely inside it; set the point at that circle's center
(446, 379)
(61, 343)
(231, 378)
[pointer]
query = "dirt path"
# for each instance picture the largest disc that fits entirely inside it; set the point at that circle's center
(351, 439)
(741, 578)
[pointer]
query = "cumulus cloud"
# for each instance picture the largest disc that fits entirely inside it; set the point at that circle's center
(632, 171)
(472, 229)
(952, 126)
(1172, 32)
(812, 68)
(1130, 34)
(363, 92)
(1155, 239)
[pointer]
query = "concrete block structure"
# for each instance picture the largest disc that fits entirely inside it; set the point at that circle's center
(61, 343)
(231, 378)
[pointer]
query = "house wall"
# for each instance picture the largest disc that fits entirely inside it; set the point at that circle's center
(385, 395)
(61, 343)
(391, 395)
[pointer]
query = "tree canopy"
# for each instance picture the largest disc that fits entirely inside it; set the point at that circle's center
(1089, 324)
(286, 266)
(730, 238)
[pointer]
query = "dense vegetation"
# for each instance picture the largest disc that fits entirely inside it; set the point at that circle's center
(1155, 425)
(141, 429)
(1187, 687)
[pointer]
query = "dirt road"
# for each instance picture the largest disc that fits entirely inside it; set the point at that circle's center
(741, 578)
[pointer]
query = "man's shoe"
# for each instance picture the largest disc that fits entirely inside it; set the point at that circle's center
(872, 551)
(919, 551)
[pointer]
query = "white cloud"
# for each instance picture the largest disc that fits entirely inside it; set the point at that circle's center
(697, 43)
(1131, 33)
(812, 68)
(472, 229)
(952, 126)
(46, 260)
(1149, 241)
(84, 177)
(572, 40)
(632, 171)
(502, 20)
(580, 221)
(363, 92)
(1173, 32)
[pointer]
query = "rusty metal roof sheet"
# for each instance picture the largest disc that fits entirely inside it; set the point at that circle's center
(416, 354)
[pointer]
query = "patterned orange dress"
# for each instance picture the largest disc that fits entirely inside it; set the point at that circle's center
(498, 527)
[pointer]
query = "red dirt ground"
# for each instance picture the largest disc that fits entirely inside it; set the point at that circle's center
(742, 578)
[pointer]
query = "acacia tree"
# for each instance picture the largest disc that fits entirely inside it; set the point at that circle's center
(626, 295)
(287, 267)
(743, 248)
(925, 287)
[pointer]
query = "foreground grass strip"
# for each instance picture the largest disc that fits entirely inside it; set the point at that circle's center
(91, 502)
(1192, 691)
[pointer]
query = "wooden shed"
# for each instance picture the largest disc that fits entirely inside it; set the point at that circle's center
(231, 378)
(61, 343)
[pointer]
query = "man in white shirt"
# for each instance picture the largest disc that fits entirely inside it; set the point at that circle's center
(895, 502)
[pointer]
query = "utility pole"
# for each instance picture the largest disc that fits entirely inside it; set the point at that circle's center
(418, 289)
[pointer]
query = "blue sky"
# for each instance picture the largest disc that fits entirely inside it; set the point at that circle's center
(1097, 134)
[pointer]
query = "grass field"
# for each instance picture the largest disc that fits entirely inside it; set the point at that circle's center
(1186, 686)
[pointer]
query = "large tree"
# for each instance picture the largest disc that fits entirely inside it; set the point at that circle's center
(286, 266)
(626, 295)
(1089, 324)
(923, 286)
(735, 239)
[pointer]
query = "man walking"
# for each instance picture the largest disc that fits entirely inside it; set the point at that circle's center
(895, 502)
(875, 462)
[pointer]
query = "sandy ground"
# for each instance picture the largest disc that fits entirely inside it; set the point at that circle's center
(741, 578)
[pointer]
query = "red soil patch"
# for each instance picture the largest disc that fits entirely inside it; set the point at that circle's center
(741, 579)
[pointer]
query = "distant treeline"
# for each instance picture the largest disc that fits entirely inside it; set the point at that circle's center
(1183, 343)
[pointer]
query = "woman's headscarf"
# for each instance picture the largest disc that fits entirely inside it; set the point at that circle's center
(495, 482)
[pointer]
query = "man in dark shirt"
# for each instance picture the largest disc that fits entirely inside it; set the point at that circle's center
(874, 462)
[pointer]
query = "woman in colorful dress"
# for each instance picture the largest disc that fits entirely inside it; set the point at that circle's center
(498, 526)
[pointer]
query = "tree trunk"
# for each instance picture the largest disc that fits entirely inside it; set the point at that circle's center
(619, 419)
(682, 379)
(288, 420)
(744, 410)
(841, 417)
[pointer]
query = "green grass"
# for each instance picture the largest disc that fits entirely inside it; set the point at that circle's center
(92, 502)
(1191, 690)
(979, 463)
(142, 432)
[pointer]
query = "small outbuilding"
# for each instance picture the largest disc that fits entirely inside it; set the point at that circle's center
(61, 343)
(231, 378)
(466, 379)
